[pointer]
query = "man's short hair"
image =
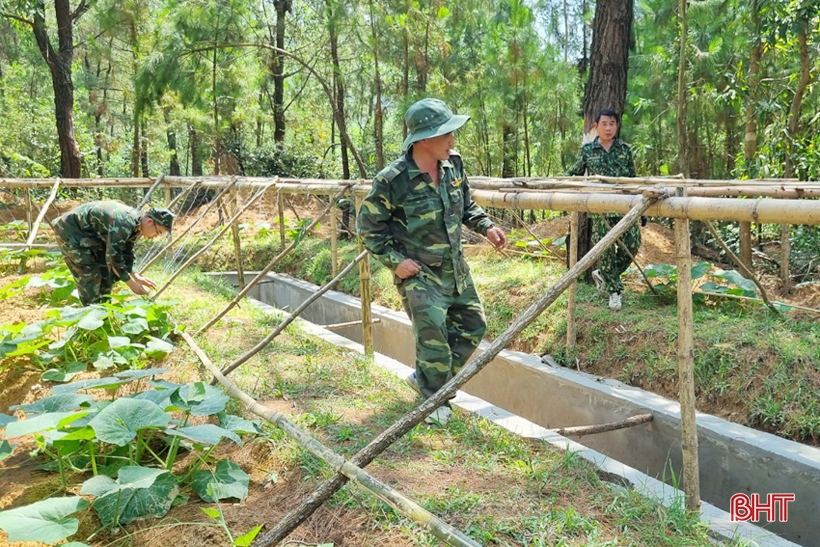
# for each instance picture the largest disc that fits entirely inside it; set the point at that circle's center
(608, 112)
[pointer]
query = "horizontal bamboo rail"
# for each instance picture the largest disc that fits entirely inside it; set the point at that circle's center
(581, 430)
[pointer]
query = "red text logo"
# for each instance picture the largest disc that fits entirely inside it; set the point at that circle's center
(775, 508)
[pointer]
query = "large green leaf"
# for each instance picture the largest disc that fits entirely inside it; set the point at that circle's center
(45, 521)
(138, 493)
(42, 422)
(6, 450)
(56, 403)
(238, 424)
(205, 434)
(136, 325)
(137, 374)
(200, 399)
(228, 481)
(119, 422)
(93, 383)
(5, 419)
(93, 319)
(157, 347)
(65, 374)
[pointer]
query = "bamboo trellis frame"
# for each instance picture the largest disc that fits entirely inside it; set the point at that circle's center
(35, 227)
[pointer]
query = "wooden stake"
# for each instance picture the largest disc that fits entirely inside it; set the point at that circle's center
(573, 288)
(389, 495)
(325, 490)
(280, 204)
(334, 242)
(32, 234)
(268, 268)
(746, 244)
(581, 430)
(288, 320)
(686, 364)
(237, 245)
(365, 295)
(785, 252)
(208, 245)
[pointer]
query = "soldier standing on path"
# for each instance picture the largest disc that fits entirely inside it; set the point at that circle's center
(97, 241)
(411, 222)
(609, 156)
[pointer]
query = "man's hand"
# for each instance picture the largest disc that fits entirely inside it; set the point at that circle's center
(497, 237)
(407, 268)
(139, 284)
(144, 281)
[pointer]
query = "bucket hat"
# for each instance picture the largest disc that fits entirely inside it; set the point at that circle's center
(430, 118)
(161, 216)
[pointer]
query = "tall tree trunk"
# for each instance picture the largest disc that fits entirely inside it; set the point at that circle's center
(606, 86)
(609, 60)
(135, 147)
(59, 64)
(682, 92)
(405, 76)
(509, 159)
(171, 136)
(750, 140)
(217, 132)
(378, 115)
(338, 84)
(144, 151)
(196, 158)
(278, 66)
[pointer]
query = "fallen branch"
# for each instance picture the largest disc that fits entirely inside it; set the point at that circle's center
(581, 430)
(36, 226)
(392, 497)
(324, 491)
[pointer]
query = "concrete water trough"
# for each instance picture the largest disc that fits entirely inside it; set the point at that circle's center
(542, 395)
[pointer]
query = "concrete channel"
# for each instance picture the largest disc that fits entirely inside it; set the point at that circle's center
(538, 395)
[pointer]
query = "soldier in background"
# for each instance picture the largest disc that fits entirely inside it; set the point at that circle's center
(97, 241)
(609, 156)
(411, 222)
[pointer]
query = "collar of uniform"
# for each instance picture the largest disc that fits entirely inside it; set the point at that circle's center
(413, 170)
(597, 144)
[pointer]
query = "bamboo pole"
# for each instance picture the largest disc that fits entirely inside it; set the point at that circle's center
(739, 263)
(573, 288)
(686, 364)
(208, 245)
(150, 191)
(288, 320)
(32, 234)
(185, 232)
(167, 195)
(255, 281)
(763, 210)
(346, 324)
(29, 210)
(365, 294)
(746, 244)
(361, 459)
(280, 204)
(581, 430)
(334, 242)
(785, 253)
(403, 505)
(237, 245)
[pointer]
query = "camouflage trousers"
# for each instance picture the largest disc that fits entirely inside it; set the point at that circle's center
(94, 279)
(615, 259)
(447, 326)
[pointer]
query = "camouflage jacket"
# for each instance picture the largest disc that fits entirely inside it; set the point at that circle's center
(594, 160)
(406, 216)
(103, 226)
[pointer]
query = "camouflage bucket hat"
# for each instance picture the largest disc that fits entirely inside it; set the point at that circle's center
(430, 118)
(161, 216)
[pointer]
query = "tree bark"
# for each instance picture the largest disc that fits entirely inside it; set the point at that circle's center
(338, 83)
(59, 64)
(683, 134)
(378, 115)
(750, 140)
(278, 69)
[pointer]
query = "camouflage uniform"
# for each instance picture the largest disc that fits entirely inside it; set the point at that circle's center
(617, 162)
(406, 216)
(97, 241)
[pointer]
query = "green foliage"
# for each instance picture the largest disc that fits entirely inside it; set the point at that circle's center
(46, 521)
